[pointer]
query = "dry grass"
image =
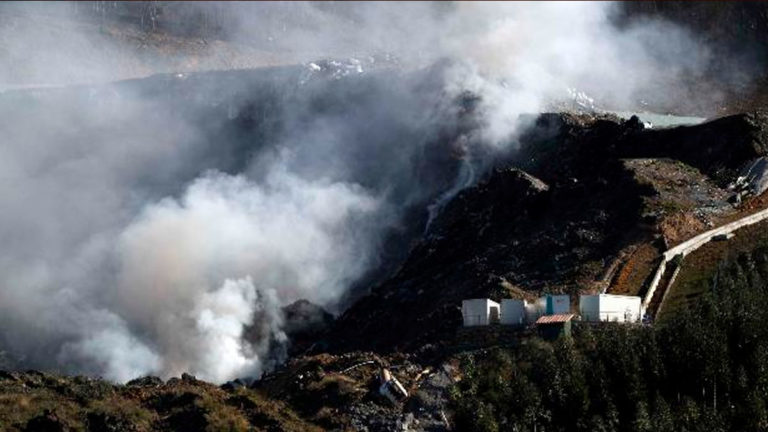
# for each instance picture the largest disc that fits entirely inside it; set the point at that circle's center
(637, 268)
(172, 406)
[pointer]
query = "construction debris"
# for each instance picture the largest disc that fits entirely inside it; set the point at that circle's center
(391, 387)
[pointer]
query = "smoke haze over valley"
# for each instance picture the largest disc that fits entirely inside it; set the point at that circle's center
(163, 201)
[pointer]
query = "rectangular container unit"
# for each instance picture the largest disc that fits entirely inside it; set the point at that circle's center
(609, 307)
(480, 312)
(557, 304)
(513, 312)
(589, 308)
(553, 304)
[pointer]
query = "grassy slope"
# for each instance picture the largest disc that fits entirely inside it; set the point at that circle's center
(78, 403)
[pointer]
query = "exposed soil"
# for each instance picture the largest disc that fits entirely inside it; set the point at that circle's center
(636, 270)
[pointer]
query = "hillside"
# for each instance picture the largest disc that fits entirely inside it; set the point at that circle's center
(266, 216)
(598, 202)
(36, 401)
(587, 203)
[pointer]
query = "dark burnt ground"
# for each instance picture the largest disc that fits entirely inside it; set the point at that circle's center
(556, 223)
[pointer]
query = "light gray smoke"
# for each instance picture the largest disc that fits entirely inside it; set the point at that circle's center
(158, 226)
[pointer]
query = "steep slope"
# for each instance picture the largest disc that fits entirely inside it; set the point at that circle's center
(559, 226)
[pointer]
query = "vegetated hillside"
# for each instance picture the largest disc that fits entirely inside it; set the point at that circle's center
(40, 402)
(569, 223)
(700, 370)
(699, 268)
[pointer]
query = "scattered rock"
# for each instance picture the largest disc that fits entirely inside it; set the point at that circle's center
(188, 378)
(234, 385)
(147, 381)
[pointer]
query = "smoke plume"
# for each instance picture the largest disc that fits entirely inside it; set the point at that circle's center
(158, 226)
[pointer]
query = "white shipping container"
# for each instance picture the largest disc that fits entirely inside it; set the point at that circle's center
(513, 312)
(610, 307)
(558, 304)
(589, 308)
(479, 312)
(551, 304)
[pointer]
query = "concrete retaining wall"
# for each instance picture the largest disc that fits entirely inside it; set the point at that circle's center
(666, 291)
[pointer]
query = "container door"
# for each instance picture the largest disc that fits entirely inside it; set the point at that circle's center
(494, 315)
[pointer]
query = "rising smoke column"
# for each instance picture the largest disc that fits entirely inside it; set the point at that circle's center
(281, 241)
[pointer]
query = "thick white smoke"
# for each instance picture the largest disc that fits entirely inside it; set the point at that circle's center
(137, 241)
(284, 240)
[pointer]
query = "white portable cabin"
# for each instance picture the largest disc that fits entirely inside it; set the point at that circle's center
(479, 312)
(513, 312)
(553, 304)
(610, 307)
